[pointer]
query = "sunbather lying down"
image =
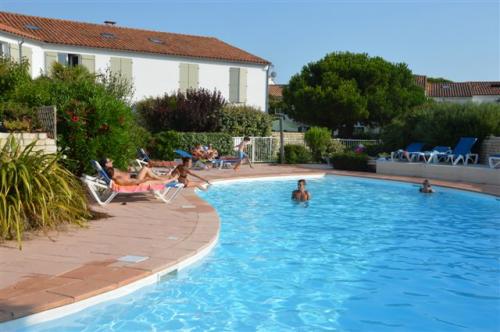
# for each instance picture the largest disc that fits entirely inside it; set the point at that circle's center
(145, 175)
(182, 171)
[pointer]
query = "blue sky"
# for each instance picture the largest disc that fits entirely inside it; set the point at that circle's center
(456, 39)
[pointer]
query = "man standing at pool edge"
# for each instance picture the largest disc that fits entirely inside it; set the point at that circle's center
(301, 194)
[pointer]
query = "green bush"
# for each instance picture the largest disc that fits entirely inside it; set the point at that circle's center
(297, 154)
(334, 146)
(91, 122)
(374, 150)
(194, 111)
(245, 121)
(36, 192)
(443, 124)
(12, 75)
(163, 144)
(350, 161)
(318, 139)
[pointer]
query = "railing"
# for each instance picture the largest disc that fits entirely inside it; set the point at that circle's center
(261, 149)
(47, 118)
(353, 143)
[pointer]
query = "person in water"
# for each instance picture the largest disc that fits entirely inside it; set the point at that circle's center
(122, 178)
(182, 171)
(301, 194)
(426, 187)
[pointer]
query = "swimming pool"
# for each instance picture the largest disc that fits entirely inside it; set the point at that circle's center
(363, 255)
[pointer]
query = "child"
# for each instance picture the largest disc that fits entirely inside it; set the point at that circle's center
(241, 154)
(183, 171)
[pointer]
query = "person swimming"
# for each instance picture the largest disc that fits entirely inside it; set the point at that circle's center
(301, 194)
(426, 187)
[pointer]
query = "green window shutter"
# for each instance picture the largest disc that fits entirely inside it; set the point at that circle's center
(183, 77)
(14, 52)
(193, 82)
(243, 86)
(50, 59)
(28, 56)
(234, 82)
(126, 69)
(88, 61)
(115, 66)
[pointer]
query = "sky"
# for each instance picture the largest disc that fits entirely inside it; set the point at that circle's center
(455, 39)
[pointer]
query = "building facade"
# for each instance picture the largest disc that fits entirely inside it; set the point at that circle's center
(155, 62)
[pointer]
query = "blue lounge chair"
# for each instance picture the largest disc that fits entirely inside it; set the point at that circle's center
(430, 156)
(410, 149)
(104, 190)
(461, 152)
(183, 154)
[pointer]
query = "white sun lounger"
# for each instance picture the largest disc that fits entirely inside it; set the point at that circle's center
(494, 160)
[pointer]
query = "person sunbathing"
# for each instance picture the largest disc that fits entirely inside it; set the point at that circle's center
(145, 175)
(301, 194)
(182, 171)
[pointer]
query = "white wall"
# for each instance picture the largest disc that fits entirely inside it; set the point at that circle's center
(155, 75)
(486, 99)
(458, 100)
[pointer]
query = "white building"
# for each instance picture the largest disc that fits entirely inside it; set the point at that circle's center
(156, 62)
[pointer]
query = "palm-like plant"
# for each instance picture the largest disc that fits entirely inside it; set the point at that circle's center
(36, 192)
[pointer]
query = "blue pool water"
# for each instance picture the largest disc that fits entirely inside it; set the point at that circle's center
(363, 255)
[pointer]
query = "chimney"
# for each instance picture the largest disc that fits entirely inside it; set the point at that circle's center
(111, 23)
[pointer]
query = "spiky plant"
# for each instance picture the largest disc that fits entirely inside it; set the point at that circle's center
(36, 192)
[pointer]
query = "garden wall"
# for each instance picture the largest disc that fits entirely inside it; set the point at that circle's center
(490, 146)
(291, 138)
(42, 141)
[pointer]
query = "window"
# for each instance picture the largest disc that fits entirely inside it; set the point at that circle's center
(69, 59)
(156, 40)
(237, 85)
(73, 60)
(4, 50)
(108, 35)
(32, 27)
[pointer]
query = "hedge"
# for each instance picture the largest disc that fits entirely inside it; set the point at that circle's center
(350, 161)
(297, 154)
(245, 121)
(163, 144)
(443, 124)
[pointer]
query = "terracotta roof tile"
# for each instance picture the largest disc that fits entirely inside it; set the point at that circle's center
(420, 80)
(485, 88)
(57, 31)
(276, 90)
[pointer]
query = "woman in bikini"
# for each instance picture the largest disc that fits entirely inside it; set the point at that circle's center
(183, 171)
(145, 175)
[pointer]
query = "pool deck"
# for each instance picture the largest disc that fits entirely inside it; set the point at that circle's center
(61, 268)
